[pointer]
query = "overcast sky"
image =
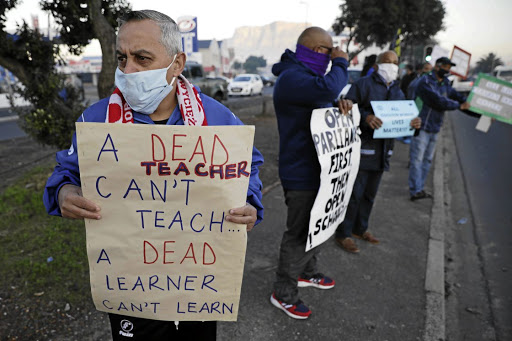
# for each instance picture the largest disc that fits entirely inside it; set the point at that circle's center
(476, 26)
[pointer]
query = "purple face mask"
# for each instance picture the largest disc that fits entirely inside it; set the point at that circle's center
(318, 62)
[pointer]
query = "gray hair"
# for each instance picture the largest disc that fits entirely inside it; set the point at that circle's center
(170, 36)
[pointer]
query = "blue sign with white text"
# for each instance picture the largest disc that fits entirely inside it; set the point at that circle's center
(188, 28)
(396, 117)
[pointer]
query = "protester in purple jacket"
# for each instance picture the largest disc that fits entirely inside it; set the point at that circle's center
(150, 90)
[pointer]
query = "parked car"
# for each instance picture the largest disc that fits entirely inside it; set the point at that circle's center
(503, 72)
(225, 79)
(354, 73)
(246, 84)
(268, 80)
(214, 87)
(463, 86)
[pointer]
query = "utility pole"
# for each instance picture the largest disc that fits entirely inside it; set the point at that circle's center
(49, 38)
(307, 8)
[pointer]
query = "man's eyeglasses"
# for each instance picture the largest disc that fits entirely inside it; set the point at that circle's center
(327, 48)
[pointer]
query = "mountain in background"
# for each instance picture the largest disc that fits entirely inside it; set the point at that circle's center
(268, 41)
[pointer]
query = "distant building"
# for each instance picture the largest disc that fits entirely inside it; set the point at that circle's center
(210, 56)
(216, 57)
(227, 56)
(88, 68)
(341, 41)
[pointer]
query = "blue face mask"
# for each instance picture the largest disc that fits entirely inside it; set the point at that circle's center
(144, 90)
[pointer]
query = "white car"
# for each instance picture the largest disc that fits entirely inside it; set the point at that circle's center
(246, 84)
(503, 72)
(463, 86)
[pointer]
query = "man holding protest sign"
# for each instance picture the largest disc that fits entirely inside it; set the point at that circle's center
(375, 153)
(301, 87)
(151, 90)
(437, 95)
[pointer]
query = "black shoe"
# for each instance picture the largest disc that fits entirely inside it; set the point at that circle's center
(420, 195)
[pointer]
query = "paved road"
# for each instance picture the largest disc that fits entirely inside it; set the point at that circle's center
(485, 277)
(10, 129)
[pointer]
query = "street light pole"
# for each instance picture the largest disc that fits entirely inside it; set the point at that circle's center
(307, 8)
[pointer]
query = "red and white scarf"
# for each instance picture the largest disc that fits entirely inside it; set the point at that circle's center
(191, 106)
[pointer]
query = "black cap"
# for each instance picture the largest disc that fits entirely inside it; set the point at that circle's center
(445, 61)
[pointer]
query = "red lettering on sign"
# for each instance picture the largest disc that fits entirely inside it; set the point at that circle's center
(175, 146)
(204, 254)
(198, 143)
(153, 147)
(152, 254)
(215, 139)
(154, 249)
(190, 248)
(166, 251)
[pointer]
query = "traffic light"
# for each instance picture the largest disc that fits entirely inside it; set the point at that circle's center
(428, 53)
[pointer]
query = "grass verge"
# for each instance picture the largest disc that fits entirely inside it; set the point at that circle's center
(43, 258)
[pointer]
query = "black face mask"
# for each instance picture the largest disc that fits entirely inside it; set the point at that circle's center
(442, 72)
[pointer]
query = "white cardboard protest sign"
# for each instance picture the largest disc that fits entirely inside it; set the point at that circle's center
(491, 97)
(162, 249)
(396, 117)
(462, 59)
(338, 145)
(483, 124)
(438, 52)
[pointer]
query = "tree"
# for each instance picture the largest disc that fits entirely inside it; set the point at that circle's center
(487, 63)
(375, 21)
(32, 58)
(50, 119)
(252, 63)
(83, 20)
(7, 60)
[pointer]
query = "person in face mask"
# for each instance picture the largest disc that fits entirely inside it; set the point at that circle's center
(150, 62)
(302, 86)
(375, 153)
(387, 68)
(437, 96)
(422, 70)
(409, 75)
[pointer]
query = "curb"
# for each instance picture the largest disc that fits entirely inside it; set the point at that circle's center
(434, 277)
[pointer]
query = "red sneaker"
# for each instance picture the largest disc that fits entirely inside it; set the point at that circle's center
(317, 280)
(297, 311)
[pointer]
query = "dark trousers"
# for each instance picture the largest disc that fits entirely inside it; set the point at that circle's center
(360, 204)
(126, 328)
(294, 261)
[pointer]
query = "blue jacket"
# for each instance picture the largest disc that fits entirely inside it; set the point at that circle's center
(411, 89)
(375, 153)
(67, 171)
(437, 97)
(297, 92)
